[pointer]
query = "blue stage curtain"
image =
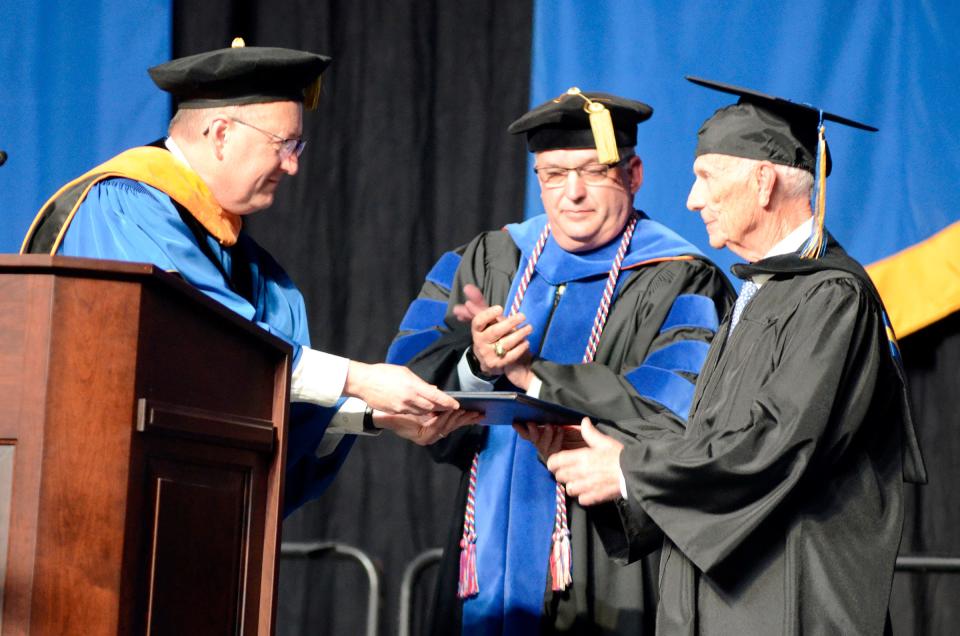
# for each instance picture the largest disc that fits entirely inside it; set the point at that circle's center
(890, 64)
(75, 91)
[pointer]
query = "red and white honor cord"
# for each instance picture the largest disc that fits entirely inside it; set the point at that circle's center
(560, 553)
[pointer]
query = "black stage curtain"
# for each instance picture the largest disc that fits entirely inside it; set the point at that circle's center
(927, 603)
(407, 157)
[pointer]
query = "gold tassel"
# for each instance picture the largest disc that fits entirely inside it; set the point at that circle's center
(815, 245)
(601, 124)
(311, 94)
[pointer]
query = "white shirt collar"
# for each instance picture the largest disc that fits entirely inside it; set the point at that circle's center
(792, 241)
(787, 245)
(175, 151)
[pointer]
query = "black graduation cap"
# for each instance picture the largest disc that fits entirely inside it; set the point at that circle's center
(580, 119)
(242, 75)
(774, 129)
(766, 128)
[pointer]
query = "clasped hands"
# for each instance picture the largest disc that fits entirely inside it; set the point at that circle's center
(582, 458)
(499, 342)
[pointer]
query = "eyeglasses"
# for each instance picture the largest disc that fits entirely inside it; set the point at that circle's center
(592, 173)
(288, 147)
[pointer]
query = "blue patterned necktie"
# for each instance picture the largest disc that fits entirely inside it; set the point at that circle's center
(746, 293)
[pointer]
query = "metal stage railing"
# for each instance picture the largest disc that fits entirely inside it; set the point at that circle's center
(410, 575)
(913, 563)
(315, 549)
(927, 563)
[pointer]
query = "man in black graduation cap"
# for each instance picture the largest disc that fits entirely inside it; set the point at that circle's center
(179, 204)
(591, 305)
(781, 502)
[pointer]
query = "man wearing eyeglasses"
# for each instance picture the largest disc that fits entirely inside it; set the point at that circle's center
(592, 305)
(780, 508)
(179, 204)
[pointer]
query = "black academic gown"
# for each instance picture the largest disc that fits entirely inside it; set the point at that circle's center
(781, 504)
(605, 598)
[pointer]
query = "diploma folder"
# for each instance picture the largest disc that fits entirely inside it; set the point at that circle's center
(507, 407)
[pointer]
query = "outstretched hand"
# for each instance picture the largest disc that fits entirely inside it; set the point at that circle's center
(550, 438)
(393, 389)
(547, 438)
(425, 429)
(591, 474)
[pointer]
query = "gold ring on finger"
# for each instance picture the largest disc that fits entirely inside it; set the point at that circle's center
(498, 349)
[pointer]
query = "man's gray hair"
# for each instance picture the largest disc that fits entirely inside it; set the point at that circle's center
(191, 123)
(187, 122)
(795, 183)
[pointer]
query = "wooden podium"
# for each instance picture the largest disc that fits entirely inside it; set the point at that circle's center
(142, 439)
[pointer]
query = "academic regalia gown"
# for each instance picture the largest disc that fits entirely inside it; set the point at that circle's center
(124, 219)
(781, 503)
(665, 311)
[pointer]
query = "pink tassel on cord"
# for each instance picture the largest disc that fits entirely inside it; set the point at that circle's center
(560, 557)
(560, 562)
(468, 585)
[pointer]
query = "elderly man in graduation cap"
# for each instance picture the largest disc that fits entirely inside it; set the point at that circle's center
(781, 502)
(592, 305)
(179, 203)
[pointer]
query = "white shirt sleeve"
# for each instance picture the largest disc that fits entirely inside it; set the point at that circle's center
(468, 381)
(348, 420)
(318, 377)
(534, 389)
(328, 444)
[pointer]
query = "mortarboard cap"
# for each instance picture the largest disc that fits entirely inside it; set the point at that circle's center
(579, 119)
(242, 75)
(766, 128)
(774, 129)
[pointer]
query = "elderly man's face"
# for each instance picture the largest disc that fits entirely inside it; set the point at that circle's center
(583, 215)
(253, 163)
(726, 198)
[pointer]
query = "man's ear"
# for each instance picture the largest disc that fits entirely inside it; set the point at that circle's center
(216, 134)
(766, 177)
(634, 169)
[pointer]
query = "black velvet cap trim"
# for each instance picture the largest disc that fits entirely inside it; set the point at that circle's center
(243, 75)
(563, 123)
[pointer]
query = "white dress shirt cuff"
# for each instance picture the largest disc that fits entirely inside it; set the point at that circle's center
(348, 420)
(534, 389)
(468, 381)
(318, 377)
(328, 444)
(623, 484)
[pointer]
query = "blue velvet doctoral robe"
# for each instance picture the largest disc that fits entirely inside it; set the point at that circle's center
(666, 307)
